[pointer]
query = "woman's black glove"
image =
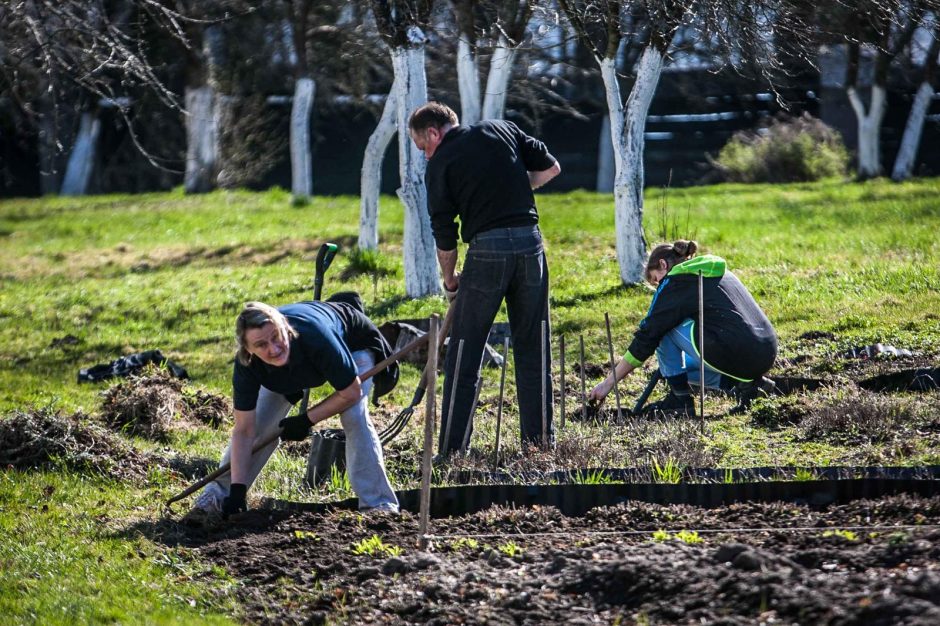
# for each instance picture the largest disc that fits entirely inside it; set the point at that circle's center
(295, 428)
(234, 502)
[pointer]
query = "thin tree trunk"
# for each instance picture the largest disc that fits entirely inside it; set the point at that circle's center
(497, 81)
(83, 157)
(627, 124)
(421, 274)
(370, 184)
(605, 159)
(913, 130)
(202, 140)
(468, 82)
(869, 130)
(300, 157)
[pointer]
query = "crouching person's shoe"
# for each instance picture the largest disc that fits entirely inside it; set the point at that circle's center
(673, 405)
(746, 393)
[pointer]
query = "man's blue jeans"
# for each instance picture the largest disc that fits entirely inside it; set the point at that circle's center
(501, 263)
(677, 355)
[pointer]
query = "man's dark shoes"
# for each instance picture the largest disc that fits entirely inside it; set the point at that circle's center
(672, 405)
(747, 392)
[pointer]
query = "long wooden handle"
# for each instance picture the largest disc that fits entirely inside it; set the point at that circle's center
(441, 338)
(417, 343)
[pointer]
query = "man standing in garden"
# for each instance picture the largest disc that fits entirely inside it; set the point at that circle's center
(484, 174)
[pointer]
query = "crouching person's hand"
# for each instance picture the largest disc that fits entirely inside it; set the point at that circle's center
(235, 501)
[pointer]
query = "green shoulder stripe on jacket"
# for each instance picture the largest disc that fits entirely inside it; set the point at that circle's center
(710, 265)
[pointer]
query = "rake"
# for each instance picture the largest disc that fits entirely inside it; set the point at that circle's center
(401, 420)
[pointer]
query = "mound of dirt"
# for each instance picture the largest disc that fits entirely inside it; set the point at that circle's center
(44, 438)
(868, 561)
(154, 404)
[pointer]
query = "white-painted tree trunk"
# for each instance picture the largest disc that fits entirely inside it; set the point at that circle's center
(869, 130)
(497, 81)
(421, 274)
(913, 130)
(300, 157)
(370, 181)
(202, 140)
(605, 158)
(468, 83)
(627, 124)
(83, 157)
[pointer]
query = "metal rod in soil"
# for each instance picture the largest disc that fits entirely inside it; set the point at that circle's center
(701, 349)
(583, 388)
(499, 406)
(445, 450)
(544, 385)
(561, 350)
(613, 365)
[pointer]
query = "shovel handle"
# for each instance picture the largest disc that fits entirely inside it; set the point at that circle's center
(417, 343)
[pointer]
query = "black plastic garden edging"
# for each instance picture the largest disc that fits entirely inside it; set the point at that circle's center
(577, 499)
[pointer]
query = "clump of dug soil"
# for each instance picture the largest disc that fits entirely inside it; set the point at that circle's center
(44, 438)
(154, 404)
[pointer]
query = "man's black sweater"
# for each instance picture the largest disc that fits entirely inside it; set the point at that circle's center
(480, 174)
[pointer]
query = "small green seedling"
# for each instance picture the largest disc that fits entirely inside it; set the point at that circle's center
(593, 477)
(689, 537)
(339, 480)
(464, 543)
(669, 472)
(510, 549)
(848, 535)
(307, 535)
(804, 474)
(374, 546)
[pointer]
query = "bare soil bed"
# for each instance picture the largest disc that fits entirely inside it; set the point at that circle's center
(865, 562)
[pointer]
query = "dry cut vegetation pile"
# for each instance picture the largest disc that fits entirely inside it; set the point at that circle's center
(44, 438)
(154, 404)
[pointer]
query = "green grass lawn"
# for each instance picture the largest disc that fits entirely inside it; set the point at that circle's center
(121, 274)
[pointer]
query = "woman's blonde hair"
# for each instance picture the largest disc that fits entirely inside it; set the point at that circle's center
(673, 253)
(256, 315)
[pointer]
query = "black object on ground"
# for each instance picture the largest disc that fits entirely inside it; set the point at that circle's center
(130, 364)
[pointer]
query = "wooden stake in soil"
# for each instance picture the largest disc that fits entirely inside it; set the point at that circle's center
(430, 415)
(561, 349)
(701, 350)
(453, 394)
(613, 365)
(499, 407)
(583, 392)
(544, 387)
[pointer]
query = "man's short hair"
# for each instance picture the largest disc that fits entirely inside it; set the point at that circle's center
(432, 114)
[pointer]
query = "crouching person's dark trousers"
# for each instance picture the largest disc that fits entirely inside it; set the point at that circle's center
(501, 263)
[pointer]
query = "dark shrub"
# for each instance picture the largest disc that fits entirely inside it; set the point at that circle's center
(789, 150)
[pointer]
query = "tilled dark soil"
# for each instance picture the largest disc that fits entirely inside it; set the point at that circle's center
(867, 562)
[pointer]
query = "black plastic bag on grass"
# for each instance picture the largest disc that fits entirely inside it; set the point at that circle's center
(130, 364)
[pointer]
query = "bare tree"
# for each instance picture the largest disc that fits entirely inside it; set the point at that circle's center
(497, 25)
(739, 31)
(402, 24)
(53, 51)
(913, 129)
(876, 32)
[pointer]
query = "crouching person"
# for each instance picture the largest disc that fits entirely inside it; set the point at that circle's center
(281, 352)
(740, 342)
